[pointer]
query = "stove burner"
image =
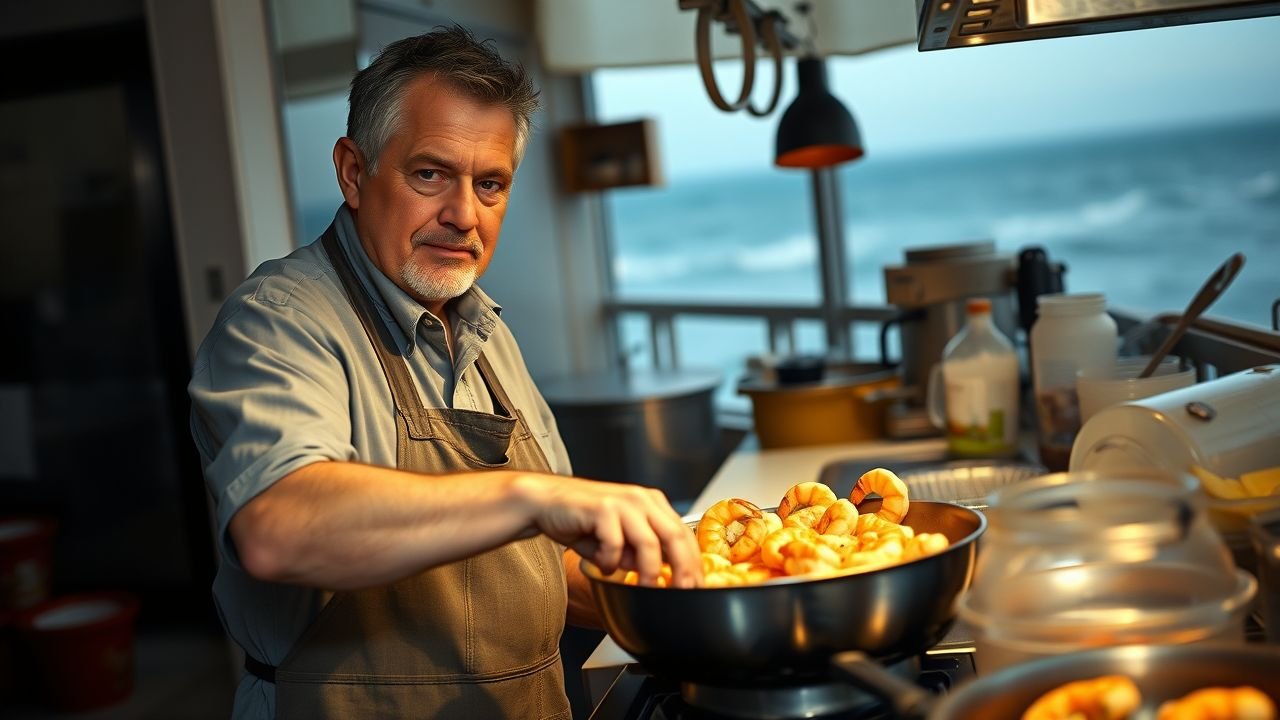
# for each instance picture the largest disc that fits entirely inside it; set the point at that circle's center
(770, 703)
(637, 695)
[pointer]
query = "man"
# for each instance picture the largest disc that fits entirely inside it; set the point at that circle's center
(394, 538)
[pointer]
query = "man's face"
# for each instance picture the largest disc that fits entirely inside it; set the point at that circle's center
(430, 217)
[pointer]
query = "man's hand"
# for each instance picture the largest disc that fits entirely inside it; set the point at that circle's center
(614, 526)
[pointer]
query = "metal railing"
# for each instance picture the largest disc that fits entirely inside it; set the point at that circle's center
(1214, 346)
(780, 321)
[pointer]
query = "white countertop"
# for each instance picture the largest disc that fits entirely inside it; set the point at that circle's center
(763, 477)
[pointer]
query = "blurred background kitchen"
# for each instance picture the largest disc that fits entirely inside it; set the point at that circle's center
(655, 262)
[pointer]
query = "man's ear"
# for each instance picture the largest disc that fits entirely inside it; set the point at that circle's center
(349, 165)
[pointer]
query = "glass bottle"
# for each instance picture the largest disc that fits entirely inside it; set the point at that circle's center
(979, 375)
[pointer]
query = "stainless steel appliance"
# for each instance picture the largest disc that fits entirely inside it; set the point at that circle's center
(967, 23)
(930, 289)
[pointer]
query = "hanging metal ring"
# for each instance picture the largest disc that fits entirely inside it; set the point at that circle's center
(738, 8)
(769, 31)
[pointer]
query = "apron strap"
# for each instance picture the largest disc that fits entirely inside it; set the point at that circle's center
(501, 403)
(403, 392)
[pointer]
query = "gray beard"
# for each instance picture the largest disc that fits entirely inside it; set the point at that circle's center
(444, 282)
(439, 283)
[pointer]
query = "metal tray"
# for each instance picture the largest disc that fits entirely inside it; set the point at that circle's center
(964, 482)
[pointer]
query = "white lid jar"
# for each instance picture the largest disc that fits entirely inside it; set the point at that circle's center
(1072, 333)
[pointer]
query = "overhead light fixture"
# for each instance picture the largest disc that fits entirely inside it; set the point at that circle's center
(817, 130)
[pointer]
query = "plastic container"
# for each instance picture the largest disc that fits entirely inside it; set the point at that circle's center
(1078, 560)
(1073, 333)
(26, 561)
(979, 375)
(83, 648)
(1099, 389)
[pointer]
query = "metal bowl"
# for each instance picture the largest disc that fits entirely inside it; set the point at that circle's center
(785, 632)
(1162, 672)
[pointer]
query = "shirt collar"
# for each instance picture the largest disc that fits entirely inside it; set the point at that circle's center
(399, 309)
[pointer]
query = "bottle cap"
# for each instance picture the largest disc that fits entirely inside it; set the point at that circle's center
(977, 305)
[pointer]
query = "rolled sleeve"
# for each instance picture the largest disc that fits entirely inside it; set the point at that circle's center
(269, 396)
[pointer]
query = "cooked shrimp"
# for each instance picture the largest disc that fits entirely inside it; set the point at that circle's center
(804, 495)
(842, 544)
(881, 552)
(772, 522)
(869, 523)
(771, 548)
(839, 519)
(925, 544)
(890, 488)
(1220, 703)
(753, 574)
(1110, 697)
(733, 529)
(801, 557)
(664, 577)
(805, 517)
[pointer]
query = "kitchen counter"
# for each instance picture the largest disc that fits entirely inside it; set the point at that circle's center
(763, 477)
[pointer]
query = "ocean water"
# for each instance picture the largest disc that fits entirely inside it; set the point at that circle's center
(1144, 217)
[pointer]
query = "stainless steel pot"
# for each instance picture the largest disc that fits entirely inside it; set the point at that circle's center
(786, 632)
(1162, 672)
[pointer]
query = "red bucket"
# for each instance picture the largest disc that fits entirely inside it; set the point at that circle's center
(83, 647)
(26, 561)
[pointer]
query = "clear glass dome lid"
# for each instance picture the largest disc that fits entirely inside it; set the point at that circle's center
(1081, 559)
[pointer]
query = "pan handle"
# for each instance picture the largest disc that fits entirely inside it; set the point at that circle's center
(908, 700)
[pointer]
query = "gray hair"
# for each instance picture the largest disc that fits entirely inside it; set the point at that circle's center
(453, 54)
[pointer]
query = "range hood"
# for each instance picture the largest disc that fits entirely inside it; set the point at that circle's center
(966, 23)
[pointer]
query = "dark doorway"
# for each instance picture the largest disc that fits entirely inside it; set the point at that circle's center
(95, 364)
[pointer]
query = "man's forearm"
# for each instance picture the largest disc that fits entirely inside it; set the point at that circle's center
(341, 525)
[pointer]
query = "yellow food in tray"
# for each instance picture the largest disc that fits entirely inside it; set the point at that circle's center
(812, 534)
(1234, 500)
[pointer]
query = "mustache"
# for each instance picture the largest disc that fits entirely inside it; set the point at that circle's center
(448, 239)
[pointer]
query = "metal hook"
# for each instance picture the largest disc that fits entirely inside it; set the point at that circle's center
(769, 31)
(738, 11)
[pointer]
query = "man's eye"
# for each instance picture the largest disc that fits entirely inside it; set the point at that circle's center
(490, 185)
(428, 175)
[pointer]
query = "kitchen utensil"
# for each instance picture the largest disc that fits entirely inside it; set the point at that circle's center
(1161, 672)
(838, 408)
(785, 632)
(1226, 426)
(1078, 560)
(1213, 287)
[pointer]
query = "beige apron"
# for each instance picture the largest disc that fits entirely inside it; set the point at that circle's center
(476, 638)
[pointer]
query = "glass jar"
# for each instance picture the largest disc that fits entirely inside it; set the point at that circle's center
(1072, 333)
(1077, 560)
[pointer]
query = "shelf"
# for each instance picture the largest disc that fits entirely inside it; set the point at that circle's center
(601, 157)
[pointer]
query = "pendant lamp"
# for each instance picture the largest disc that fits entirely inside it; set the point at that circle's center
(817, 130)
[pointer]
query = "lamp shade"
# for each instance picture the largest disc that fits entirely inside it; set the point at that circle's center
(817, 130)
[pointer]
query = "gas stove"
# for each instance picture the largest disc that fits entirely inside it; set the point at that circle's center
(639, 695)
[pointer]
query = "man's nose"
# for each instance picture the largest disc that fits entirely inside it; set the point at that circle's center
(459, 209)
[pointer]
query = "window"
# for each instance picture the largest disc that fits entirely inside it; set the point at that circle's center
(1142, 160)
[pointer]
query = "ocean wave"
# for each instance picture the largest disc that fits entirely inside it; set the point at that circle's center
(1089, 217)
(1261, 186)
(793, 251)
